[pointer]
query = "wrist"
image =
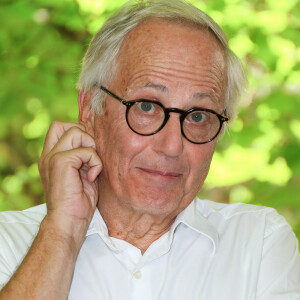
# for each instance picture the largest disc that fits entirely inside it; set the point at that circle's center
(67, 233)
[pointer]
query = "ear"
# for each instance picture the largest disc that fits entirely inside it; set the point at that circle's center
(86, 116)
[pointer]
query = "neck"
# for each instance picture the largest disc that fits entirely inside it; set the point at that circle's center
(138, 228)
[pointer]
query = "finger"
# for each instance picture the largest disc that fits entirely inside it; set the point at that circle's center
(55, 132)
(76, 158)
(72, 139)
(93, 172)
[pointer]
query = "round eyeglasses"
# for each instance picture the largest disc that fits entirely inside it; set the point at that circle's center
(146, 117)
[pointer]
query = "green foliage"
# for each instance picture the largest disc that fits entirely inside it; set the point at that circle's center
(42, 43)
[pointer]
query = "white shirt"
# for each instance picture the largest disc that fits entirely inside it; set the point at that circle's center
(212, 252)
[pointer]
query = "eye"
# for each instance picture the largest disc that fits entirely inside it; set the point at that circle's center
(146, 107)
(198, 117)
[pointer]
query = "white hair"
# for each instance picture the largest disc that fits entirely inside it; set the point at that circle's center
(100, 61)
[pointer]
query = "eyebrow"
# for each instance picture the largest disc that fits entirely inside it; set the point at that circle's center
(201, 96)
(159, 87)
(164, 89)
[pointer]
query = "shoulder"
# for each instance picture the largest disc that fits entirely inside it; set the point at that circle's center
(249, 216)
(17, 232)
(259, 242)
(31, 216)
(20, 225)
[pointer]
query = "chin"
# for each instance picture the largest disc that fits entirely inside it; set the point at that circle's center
(156, 203)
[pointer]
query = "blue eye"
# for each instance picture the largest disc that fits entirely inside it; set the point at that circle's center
(146, 107)
(198, 117)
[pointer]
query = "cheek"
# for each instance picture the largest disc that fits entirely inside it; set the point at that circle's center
(200, 160)
(116, 144)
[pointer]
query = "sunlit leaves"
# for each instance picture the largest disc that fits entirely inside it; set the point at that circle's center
(241, 44)
(240, 193)
(42, 43)
(92, 6)
(271, 21)
(237, 165)
(282, 6)
(37, 127)
(295, 128)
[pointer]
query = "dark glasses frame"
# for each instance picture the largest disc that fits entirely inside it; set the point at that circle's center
(167, 111)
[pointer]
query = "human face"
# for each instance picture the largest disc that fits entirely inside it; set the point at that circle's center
(179, 66)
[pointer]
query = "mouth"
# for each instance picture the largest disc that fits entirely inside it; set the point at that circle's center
(167, 174)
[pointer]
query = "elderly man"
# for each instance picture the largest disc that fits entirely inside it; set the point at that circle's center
(122, 219)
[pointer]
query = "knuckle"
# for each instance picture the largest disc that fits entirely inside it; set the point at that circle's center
(56, 159)
(74, 130)
(91, 150)
(55, 124)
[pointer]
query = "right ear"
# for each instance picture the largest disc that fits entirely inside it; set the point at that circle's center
(86, 116)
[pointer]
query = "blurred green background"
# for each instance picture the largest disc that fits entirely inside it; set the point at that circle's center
(42, 43)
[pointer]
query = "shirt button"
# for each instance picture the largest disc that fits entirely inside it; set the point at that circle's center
(137, 275)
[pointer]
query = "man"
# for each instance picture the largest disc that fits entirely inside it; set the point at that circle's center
(122, 218)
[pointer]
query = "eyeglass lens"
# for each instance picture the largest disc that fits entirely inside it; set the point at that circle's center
(147, 117)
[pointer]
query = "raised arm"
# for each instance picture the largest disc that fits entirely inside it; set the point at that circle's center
(69, 167)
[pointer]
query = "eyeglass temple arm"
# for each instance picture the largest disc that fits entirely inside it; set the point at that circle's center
(112, 95)
(224, 116)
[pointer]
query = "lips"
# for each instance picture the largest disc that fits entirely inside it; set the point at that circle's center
(165, 173)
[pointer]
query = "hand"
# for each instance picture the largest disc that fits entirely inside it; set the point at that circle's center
(69, 166)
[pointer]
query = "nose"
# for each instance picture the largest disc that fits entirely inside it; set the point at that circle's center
(169, 139)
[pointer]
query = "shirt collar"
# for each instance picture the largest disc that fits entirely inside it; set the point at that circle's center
(192, 216)
(97, 225)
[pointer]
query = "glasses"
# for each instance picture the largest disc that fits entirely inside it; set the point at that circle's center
(146, 117)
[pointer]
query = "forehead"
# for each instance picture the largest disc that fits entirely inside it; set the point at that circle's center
(158, 46)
